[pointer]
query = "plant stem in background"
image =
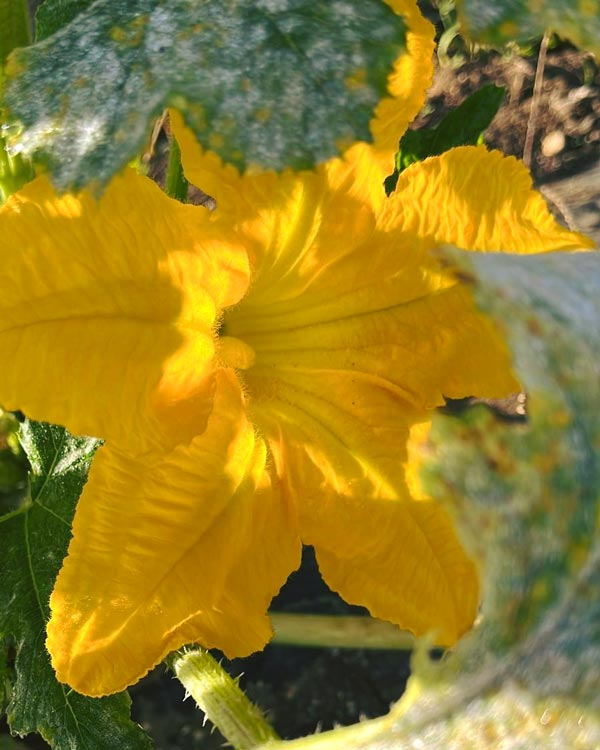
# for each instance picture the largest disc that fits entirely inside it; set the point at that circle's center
(535, 100)
(331, 631)
(220, 697)
(372, 734)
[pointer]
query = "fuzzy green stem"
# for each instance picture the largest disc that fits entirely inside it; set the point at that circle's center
(331, 631)
(222, 700)
(176, 185)
(374, 734)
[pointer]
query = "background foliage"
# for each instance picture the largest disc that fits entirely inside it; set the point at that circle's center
(522, 20)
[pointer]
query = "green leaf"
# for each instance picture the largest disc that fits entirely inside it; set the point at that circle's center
(52, 15)
(13, 466)
(525, 495)
(521, 20)
(14, 26)
(13, 481)
(463, 126)
(264, 84)
(34, 541)
(5, 678)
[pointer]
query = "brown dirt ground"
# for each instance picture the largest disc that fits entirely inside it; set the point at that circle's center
(567, 124)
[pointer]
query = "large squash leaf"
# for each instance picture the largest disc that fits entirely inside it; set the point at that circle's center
(264, 84)
(505, 20)
(526, 497)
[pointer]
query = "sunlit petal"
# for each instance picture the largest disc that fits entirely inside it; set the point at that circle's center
(340, 451)
(107, 309)
(357, 329)
(339, 287)
(169, 549)
(478, 200)
(408, 83)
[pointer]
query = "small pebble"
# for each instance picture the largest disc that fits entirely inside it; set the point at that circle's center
(553, 143)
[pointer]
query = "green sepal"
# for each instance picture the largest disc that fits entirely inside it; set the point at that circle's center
(463, 126)
(265, 85)
(34, 541)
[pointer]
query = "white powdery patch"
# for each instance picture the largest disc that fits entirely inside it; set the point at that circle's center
(274, 6)
(275, 83)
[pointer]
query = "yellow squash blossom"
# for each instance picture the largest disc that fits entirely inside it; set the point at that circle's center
(255, 374)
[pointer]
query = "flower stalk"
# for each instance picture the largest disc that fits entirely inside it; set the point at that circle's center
(334, 631)
(220, 697)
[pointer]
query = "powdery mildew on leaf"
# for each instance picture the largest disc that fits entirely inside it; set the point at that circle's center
(527, 499)
(268, 84)
(34, 542)
(506, 20)
(525, 496)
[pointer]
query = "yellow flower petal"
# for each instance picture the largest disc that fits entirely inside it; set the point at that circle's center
(339, 448)
(356, 329)
(407, 566)
(478, 200)
(108, 309)
(408, 83)
(361, 172)
(170, 549)
(341, 286)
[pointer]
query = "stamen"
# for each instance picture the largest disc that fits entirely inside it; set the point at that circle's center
(233, 352)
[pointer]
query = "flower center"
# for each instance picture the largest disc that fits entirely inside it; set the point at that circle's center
(233, 352)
